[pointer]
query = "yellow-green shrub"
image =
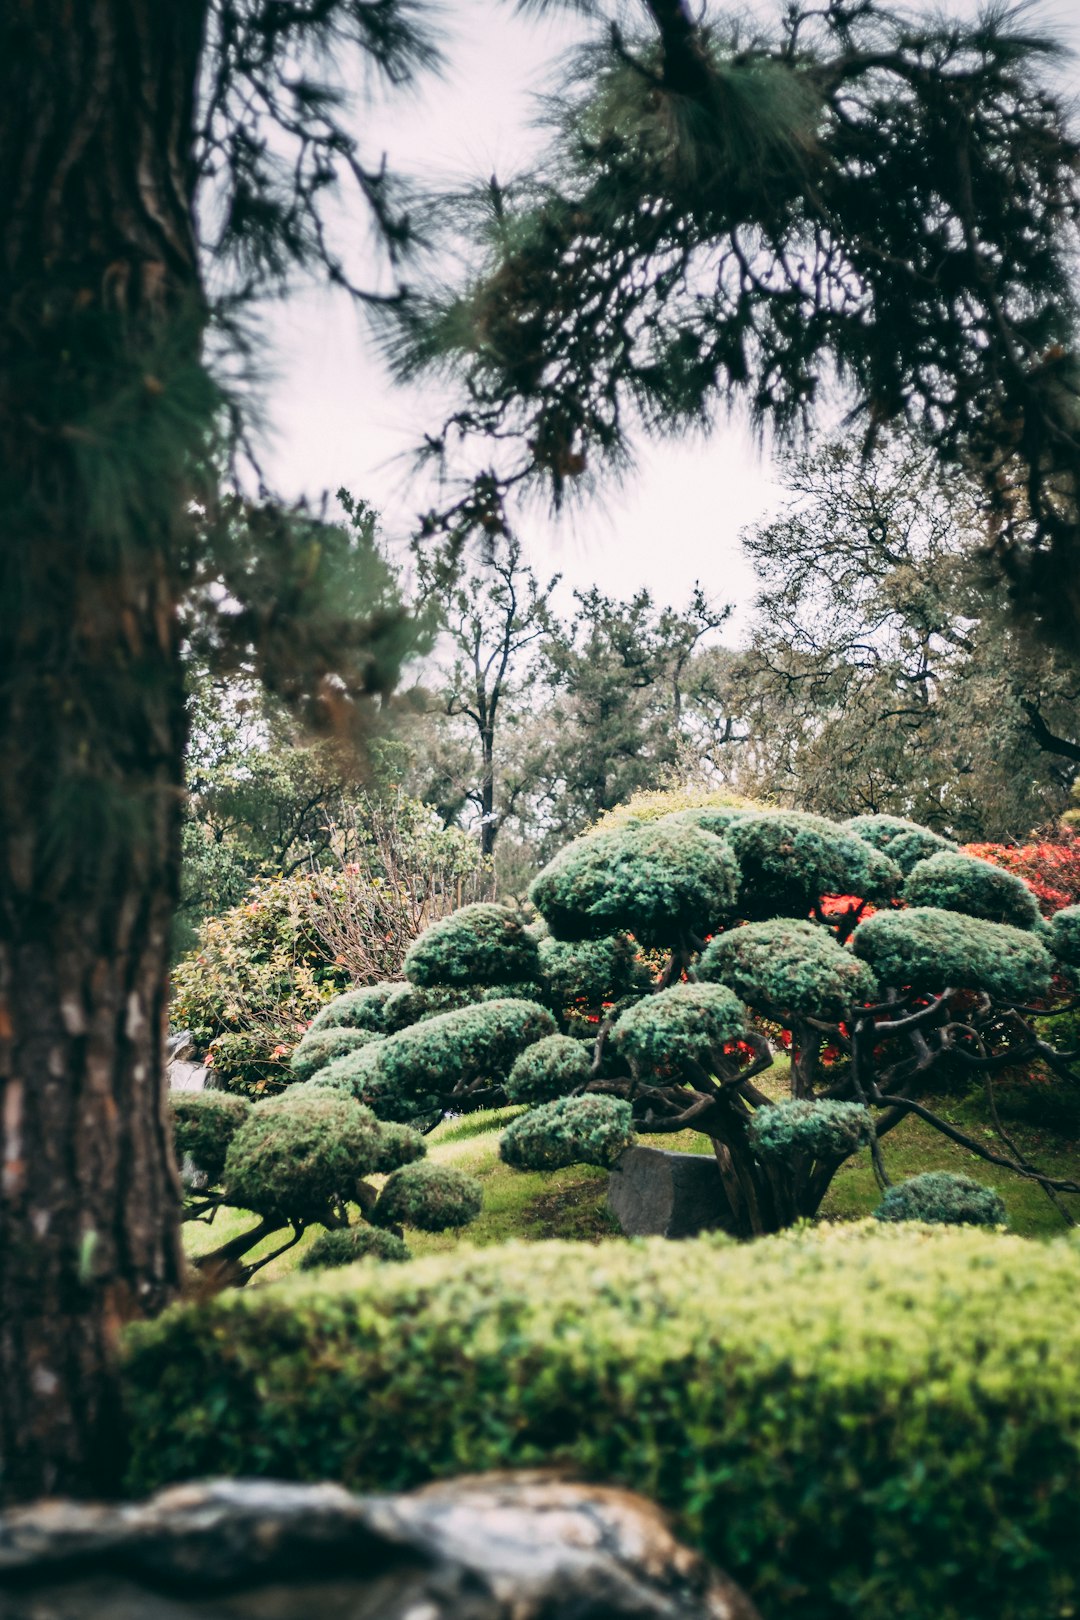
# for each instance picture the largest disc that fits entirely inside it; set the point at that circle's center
(879, 1425)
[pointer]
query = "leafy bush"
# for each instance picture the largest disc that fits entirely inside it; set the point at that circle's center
(346, 1244)
(298, 1156)
(571, 1130)
(788, 965)
(411, 1003)
(857, 1426)
(929, 949)
(480, 944)
(658, 881)
(1050, 868)
(431, 1197)
(592, 970)
(322, 1046)
(551, 1068)
(956, 882)
(204, 1123)
(1065, 935)
(788, 860)
(688, 1022)
(942, 1199)
(905, 842)
(824, 1129)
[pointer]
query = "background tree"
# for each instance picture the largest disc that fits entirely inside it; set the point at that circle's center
(871, 196)
(139, 142)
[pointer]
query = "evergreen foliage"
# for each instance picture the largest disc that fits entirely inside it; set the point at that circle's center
(926, 949)
(356, 1009)
(204, 1123)
(905, 842)
(593, 970)
(943, 1200)
(346, 1244)
(956, 882)
(431, 1197)
(659, 882)
(569, 1130)
(1065, 935)
(789, 966)
(684, 1023)
(789, 860)
(823, 1129)
(550, 1068)
(300, 1155)
(481, 944)
(322, 1046)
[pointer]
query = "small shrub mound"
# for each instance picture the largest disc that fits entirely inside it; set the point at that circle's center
(688, 1022)
(943, 1199)
(789, 965)
(554, 1066)
(572, 1130)
(356, 1009)
(295, 1155)
(480, 944)
(956, 882)
(345, 1244)
(432, 1197)
(321, 1046)
(859, 1424)
(927, 949)
(1065, 936)
(204, 1123)
(905, 842)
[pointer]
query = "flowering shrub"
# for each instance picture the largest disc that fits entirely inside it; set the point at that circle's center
(1050, 868)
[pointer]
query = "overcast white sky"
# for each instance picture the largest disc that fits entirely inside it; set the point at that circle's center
(335, 419)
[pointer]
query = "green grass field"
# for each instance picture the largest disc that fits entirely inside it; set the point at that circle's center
(572, 1203)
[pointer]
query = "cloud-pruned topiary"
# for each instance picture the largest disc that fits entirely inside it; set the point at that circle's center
(344, 1245)
(941, 1198)
(297, 1156)
(592, 970)
(1064, 936)
(824, 1129)
(710, 818)
(322, 1046)
(571, 1130)
(789, 965)
(482, 944)
(956, 882)
(397, 1145)
(426, 1068)
(926, 949)
(789, 860)
(356, 1009)
(412, 1003)
(551, 1068)
(204, 1123)
(431, 1197)
(905, 842)
(685, 1023)
(658, 881)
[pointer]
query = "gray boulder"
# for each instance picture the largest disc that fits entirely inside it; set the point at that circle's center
(655, 1193)
(491, 1547)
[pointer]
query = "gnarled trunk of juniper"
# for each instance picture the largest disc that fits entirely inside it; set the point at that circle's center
(100, 389)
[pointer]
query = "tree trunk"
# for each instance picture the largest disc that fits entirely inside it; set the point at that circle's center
(101, 406)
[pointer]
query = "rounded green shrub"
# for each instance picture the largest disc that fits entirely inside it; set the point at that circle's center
(321, 1046)
(413, 1074)
(905, 842)
(592, 970)
(549, 1069)
(431, 1197)
(342, 1245)
(789, 965)
(925, 949)
(942, 1199)
(789, 860)
(296, 1155)
(955, 882)
(571, 1130)
(347, 1074)
(204, 1123)
(413, 1003)
(824, 1129)
(711, 818)
(397, 1145)
(657, 881)
(1064, 938)
(857, 1423)
(480, 944)
(688, 1022)
(356, 1009)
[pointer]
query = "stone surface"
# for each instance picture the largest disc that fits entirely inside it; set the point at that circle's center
(656, 1193)
(491, 1547)
(184, 1076)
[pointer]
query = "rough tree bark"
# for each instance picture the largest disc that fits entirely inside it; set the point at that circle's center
(99, 298)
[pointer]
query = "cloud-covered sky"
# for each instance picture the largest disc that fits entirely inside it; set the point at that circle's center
(335, 418)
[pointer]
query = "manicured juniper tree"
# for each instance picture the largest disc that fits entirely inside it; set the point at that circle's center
(681, 953)
(302, 1160)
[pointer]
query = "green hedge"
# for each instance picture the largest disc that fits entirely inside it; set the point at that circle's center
(883, 1425)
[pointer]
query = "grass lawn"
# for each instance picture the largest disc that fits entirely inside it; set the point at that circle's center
(572, 1203)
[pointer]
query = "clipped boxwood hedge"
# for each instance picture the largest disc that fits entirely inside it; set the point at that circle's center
(881, 1422)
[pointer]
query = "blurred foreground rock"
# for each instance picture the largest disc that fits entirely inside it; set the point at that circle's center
(494, 1547)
